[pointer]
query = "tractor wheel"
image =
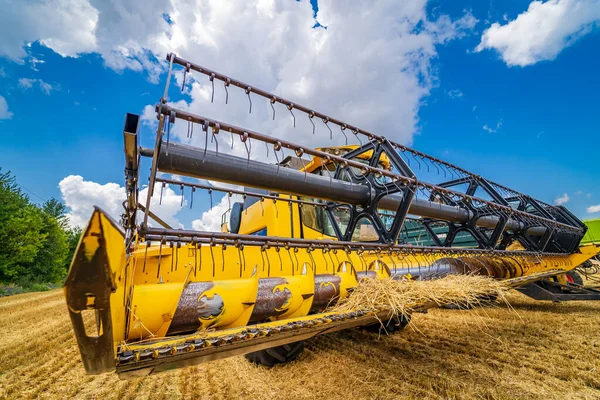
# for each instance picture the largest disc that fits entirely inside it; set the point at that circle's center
(277, 355)
(389, 327)
(574, 277)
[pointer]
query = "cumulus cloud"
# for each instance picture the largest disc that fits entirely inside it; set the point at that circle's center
(560, 200)
(541, 32)
(211, 219)
(4, 112)
(81, 196)
(65, 26)
(593, 209)
(372, 65)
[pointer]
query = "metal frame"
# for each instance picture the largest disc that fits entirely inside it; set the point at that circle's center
(546, 289)
(492, 224)
(551, 212)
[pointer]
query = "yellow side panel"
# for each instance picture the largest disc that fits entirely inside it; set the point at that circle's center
(152, 309)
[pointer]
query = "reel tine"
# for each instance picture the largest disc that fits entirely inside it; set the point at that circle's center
(171, 244)
(215, 131)
(212, 81)
(310, 118)
(290, 107)
(185, 71)
(205, 129)
(146, 255)
(226, 85)
(325, 121)
(277, 250)
(343, 128)
(248, 90)
(355, 131)
(159, 257)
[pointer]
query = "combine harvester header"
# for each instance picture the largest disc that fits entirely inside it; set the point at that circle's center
(311, 227)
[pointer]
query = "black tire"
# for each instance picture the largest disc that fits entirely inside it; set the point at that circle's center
(388, 327)
(577, 279)
(277, 355)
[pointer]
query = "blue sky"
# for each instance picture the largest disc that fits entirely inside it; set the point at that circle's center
(541, 120)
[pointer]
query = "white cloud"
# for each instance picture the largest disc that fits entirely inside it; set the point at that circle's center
(372, 65)
(541, 32)
(560, 200)
(493, 130)
(579, 192)
(593, 209)
(4, 113)
(66, 26)
(444, 29)
(455, 94)
(211, 219)
(27, 83)
(45, 87)
(81, 196)
(2, 72)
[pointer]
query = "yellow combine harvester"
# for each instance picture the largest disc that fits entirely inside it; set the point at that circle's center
(309, 229)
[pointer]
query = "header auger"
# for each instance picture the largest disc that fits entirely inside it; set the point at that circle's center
(308, 230)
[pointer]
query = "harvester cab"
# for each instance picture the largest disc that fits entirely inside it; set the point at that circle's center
(307, 231)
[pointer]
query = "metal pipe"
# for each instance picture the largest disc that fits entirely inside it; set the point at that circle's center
(194, 162)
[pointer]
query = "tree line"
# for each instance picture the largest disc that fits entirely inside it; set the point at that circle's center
(36, 241)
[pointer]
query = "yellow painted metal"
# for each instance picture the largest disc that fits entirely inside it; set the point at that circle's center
(317, 162)
(275, 323)
(302, 289)
(114, 245)
(348, 278)
(231, 274)
(152, 309)
(148, 284)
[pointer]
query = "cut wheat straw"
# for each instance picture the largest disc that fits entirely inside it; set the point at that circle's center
(402, 297)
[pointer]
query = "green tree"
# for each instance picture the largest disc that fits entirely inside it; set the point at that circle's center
(49, 262)
(58, 211)
(73, 235)
(21, 236)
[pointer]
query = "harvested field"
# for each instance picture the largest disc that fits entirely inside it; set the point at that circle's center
(538, 350)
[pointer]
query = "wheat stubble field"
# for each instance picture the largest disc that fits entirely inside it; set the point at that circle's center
(538, 350)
